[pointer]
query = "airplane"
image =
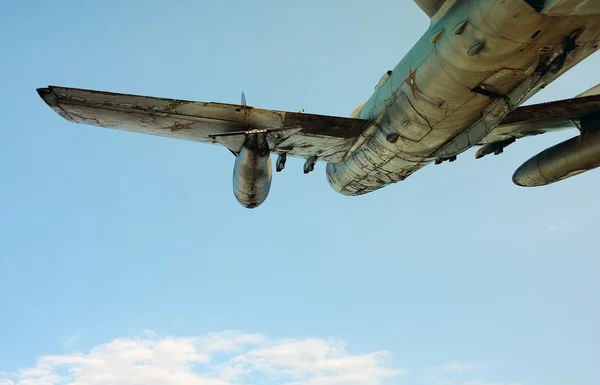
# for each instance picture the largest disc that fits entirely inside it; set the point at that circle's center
(462, 85)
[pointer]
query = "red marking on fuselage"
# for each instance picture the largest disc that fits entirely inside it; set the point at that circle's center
(411, 80)
(179, 126)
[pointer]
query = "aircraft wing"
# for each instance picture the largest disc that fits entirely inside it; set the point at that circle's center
(297, 134)
(539, 119)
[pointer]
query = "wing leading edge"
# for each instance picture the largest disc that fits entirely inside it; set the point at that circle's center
(327, 138)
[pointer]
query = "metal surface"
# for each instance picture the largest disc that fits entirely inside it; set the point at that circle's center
(326, 137)
(541, 118)
(572, 7)
(461, 85)
(280, 164)
(252, 171)
(567, 159)
(445, 97)
(565, 110)
(430, 7)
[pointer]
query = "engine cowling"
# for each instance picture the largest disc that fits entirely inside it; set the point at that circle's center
(566, 159)
(252, 172)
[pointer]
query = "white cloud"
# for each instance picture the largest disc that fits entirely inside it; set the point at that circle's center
(228, 358)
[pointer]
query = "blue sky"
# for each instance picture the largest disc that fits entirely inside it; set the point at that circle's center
(118, 247)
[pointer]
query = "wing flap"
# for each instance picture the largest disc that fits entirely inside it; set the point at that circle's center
(326, 137)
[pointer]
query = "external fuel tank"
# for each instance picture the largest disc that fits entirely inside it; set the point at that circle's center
(252, 171)
(569, 158)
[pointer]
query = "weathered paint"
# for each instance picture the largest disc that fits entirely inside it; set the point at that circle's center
(327, 137)
(493, 56)
(461, 85)
(572, 8)
(430, 7)
(540, 118)
(252, 171)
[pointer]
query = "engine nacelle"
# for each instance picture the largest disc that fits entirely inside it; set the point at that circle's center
(567, 159)
(252, 171)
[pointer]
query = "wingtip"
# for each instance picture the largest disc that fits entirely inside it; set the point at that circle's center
(47, 96)
(52, 101)
(42, 91)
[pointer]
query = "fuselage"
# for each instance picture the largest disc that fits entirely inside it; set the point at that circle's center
(478, 61)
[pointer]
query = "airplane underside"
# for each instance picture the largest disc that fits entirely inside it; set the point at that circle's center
(462, 85)
(482, 60)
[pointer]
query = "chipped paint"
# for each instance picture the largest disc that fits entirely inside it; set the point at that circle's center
(459, 93)
(443, 116)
